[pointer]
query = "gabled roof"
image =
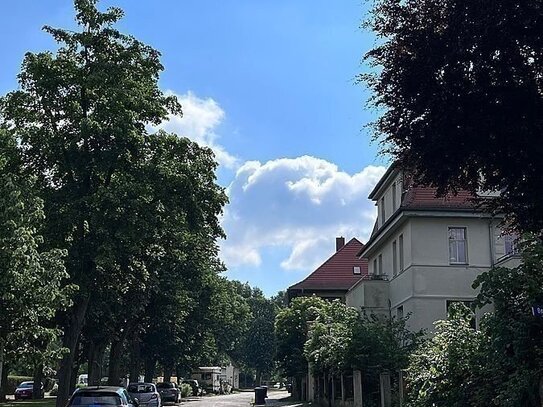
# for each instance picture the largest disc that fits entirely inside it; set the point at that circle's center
(336, 273)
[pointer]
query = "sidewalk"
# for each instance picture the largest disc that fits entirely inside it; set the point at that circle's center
(279, 399)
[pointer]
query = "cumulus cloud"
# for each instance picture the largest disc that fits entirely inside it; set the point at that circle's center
(200, 120)
(298, 205)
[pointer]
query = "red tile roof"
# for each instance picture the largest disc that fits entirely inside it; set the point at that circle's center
(425, 198)
(336, 273)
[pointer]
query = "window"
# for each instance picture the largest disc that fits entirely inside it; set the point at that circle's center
(469, 304)
(383, 213)
(399, 312)
(400, 240)
(374, 266)
(394, 259)
(510, 242)
(457, 246)
(356, 270)
(380, 264)
(393, 196)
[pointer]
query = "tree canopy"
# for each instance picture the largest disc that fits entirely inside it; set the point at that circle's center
(463, 81)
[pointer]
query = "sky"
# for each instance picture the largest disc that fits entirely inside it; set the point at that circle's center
(270, 86)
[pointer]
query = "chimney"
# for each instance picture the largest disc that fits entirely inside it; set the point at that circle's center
(340, 242)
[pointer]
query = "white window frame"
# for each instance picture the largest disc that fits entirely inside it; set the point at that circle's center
(465, 240)
(357, 270)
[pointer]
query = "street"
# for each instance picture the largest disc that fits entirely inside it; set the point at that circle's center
(243, 399)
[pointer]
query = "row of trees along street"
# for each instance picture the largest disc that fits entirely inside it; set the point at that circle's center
(108, 230)
(461, 81)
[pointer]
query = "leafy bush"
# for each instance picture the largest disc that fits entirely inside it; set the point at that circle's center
(186, 390)
(14, 381)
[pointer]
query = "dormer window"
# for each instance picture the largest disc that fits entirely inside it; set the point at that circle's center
(356, 270)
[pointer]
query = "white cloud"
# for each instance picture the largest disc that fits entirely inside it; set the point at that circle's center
(298, 205)
(199, 122)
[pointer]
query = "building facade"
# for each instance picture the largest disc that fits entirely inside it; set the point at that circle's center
(425, 252)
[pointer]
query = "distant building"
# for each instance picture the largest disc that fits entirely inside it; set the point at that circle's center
(209, 377)
(334, 278)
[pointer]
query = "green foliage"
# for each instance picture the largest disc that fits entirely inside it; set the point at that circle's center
(30, 275)
(330, 337)
(186, 390)
(381, 344)
(291, 330)
(451, 78)
(137, 213)
(514, 343)
(258, 346)
(441, 371)
(501, 363)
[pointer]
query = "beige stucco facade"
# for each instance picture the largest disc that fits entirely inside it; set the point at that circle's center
(410, 252)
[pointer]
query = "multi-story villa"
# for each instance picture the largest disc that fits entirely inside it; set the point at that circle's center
(425, 252)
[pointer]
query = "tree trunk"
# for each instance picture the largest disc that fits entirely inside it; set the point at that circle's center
(95, 362)
(150, 366)
(167, 374)
(70, 341)
(114, 371)
(73, 376)
(4, 381)
(1, 361)
(258, 377)
(37, 389)
(135, 360)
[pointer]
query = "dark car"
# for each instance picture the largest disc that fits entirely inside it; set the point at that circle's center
(196, 390)
(169, 392)
(25, 391)
(101, 396)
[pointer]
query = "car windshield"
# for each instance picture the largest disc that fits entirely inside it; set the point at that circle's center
(165, 386)
(141, 388)
(96, 399)
(26, 385)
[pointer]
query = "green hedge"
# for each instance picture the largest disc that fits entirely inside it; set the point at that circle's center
(186, 390)
(14, 381)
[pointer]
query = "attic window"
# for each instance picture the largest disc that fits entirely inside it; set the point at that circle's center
(356, 270)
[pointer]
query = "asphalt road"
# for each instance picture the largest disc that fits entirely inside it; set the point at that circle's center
(243, 399)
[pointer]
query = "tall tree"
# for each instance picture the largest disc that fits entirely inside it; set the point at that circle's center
(80, 117)
(30, 277)
(291, 330)
(463, 81)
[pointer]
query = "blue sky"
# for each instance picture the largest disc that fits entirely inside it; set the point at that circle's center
(269, 85)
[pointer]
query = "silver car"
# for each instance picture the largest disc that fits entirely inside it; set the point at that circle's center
(146, 394)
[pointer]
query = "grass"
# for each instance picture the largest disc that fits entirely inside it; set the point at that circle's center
(48, 402)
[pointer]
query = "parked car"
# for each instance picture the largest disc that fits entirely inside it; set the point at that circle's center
(146, 394)
(196, 389)
(169, 392)
(25, 390)
(101, 396)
